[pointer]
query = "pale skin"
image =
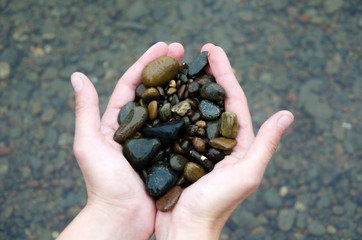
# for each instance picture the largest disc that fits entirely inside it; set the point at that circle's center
(118, 206)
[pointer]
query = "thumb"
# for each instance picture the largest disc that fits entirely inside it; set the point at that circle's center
(87, 119)
(267, 140)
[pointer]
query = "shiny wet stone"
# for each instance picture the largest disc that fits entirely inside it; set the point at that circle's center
(139, 151)
(125, 110)
(134, 121)
(197, 66)
(222, 143)
(213, 92)
(212, 129)
(193, 172)
(215, 155)
(160, 178)
(165, 112)
(229, 125)
(169, 200)
(209, 110)
(166, 132)
(152, 110)
(178, 162)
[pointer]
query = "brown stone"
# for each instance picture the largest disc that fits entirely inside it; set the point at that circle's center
(176, 148)
(229, 125)
(199, 144)
(201, 124)
(150, 94)
(140, 89)
(193, 172)
(152, 110)
(171, 91)
(181, 92)
(169, 200)
(222, 143)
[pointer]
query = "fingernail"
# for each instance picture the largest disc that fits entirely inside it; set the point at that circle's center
(77, 82)
(284, 122)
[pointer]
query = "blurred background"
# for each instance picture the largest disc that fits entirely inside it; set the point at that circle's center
(304, 56)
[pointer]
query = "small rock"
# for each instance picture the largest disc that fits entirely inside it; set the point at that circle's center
(168, 201)
(316, 228)
(134, 121)
(166, 132)
(198, 65)
(204, 161)
(178, 162)
(150, 94)
(222, 143)
(193, 172)
(286, 219)
(152, 110)
(332, 6)
(215, 155)
(4, 70)
(125, 110)
(209, 110)
(165, 112)
(193, 89)
(160, 72)
(48, 115)
(140, 89)
(229, 125)
(160, 179)
(199, 144)
(139, 151)
(283, 191)
(213, 92)
(181, 108)
(212, 129)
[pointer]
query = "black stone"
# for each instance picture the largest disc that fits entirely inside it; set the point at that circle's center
(166, 132)
(215, 155)
(196, 67)
(213, 92)
(202, 160)
(160, 178)
(139, 151)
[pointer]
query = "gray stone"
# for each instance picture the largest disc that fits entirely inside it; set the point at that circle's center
(331, 6)
(316, 228)
(209, 110)
(286, 219)
(272, 198)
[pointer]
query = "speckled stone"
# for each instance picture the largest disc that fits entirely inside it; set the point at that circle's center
(160, 178)
(209, 110)
(181, 108)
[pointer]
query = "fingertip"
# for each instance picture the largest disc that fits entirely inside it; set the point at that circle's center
(176, 50)
(207, 47)
(285, 120)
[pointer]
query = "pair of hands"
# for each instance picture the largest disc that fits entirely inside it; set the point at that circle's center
(118, 206)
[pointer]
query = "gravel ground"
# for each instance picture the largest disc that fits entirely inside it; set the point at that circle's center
(304, 56)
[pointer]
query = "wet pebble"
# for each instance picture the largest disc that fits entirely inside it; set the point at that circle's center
(160, 178)
(209, 110)
(160, 71)
(213, 92)
(178, 162)
(193, 172)
(152, 110)
(198, 65)
(125, 110)
(229, 124)
(181, 108)
(150, 94)
(222, 143)
(168, 201)
(199, 144)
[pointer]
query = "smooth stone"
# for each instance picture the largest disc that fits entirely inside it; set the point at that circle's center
(169, 200)
(172, 84)
(193, 172)
(196, 67)
(152, 110)
(178, 162)
(174, 100)
(139, 151)
(209, 110)
(215, 155)
(159, 156)
(204, 161)
(205, 79)
(176, 148)
(140, 89)
(130, 125)
(171, 91)
(185, 145)
(160, 178)
(193, 89)
(201, 124)
(166, 132)
(181, 108)
(125, 110)
(195, 116)
(212, 129)
(161, 91)
(165, 112)
(181, 91)
(160, 71)
(199, 144)
(222, 143)
(150, 94)
(229, 125)
(213, 92)
(187, 121)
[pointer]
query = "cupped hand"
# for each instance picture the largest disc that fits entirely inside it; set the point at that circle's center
(116, 193)
(204, 207)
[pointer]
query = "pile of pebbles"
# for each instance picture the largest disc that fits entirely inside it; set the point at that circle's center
(177, 128)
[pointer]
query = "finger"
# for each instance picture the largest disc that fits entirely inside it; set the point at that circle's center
(235, 100)
(267, 141)
(175, 50)
(125, 88)
(87, 120)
